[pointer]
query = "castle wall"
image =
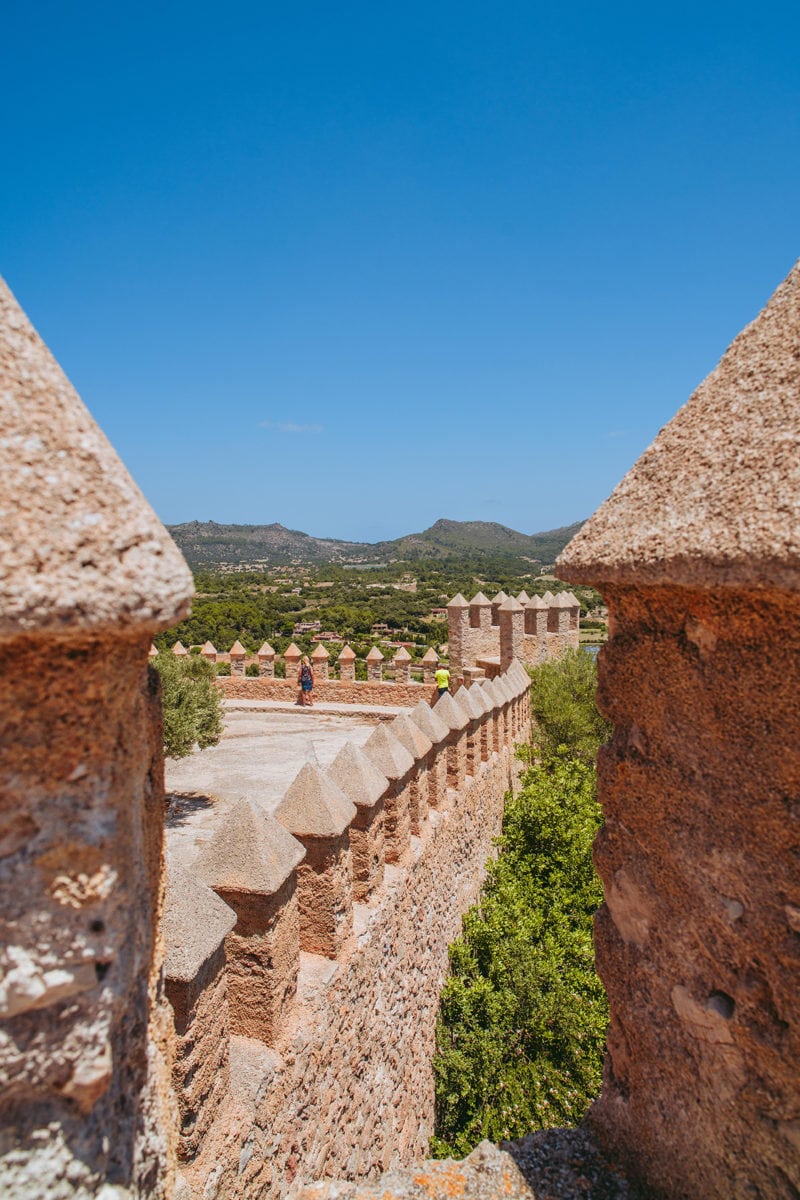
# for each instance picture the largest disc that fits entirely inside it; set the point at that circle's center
(698, 943)
(697, 554)
(540, 632)
(88, 577)
(391, 693)
(345, 1085)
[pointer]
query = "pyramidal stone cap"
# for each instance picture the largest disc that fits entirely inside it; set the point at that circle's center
(402, 655)
(514, 682)
(521, 674)
(237, 650)
(537, 602)
(357, 776)
(495, 697)
(374, 655)
(523, 598)
(266, 651)
(548, 598)
(480, 601)
(451, 713)
(714, 500)
(510, 605)
(292, 651)
(500, 598)
(415, 741)
(249, 852)
(430, 656)
(320, 653)
(347, 654)
(388, 753)
(194, 925)
(314, 807)
(479, 701)
(470, 703)
(80, 547)
(210, 648)
(179, 649)
(458, 601)
(429, 722)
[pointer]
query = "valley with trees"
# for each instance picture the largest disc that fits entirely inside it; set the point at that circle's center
(362, 603)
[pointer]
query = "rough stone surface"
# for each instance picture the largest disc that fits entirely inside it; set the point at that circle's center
(350, 1088)
(716, 499)
(344, 691)
(194, 924)
(82, 1038)
(452, 714)
(429, 722)
(358, 777)
(80, 548)
(314, 807)
(249, 852)
(556, 1164)
(698, 856)
(388, 753)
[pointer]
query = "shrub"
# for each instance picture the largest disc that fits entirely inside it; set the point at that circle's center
(191, 702)
(522, 1016)
(563, 708)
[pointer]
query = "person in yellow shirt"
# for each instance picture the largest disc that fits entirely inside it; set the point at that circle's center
(443, 680)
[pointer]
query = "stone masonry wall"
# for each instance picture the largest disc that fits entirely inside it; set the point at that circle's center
(697, 553)
(87, 577)
(402, 695)
(344, 1084)
(349, 1089)
(699, 854)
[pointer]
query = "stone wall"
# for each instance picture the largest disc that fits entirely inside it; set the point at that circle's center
(490, 634)
(697, 553)
(403, 695)
(88, 576)
(342, 1085)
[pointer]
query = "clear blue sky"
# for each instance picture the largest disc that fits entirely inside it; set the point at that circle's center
(356, 266)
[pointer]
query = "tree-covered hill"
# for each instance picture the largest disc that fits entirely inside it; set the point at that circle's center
(208, 544)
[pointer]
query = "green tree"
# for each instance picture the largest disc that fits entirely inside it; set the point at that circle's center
(192, 704)
(523, 1015)
(563, 708)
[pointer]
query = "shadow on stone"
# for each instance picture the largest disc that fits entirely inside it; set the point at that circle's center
(565, 1164)
(181, 808)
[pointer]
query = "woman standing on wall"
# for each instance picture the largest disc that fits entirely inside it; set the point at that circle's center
(305, 677)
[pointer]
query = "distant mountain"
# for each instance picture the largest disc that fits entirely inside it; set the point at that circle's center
(207, 544)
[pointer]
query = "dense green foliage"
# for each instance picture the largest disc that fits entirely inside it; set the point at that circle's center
(523, 1015)
(563, 708)
(257, 606)
(192, 704)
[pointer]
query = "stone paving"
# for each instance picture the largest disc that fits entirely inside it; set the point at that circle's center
(263, 746)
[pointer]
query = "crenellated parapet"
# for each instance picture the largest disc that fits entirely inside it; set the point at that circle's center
(277, 920)
(486, 636)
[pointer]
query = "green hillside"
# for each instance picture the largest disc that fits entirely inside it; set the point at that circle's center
(208, 544)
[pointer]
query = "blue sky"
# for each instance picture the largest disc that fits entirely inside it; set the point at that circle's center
(356, 266)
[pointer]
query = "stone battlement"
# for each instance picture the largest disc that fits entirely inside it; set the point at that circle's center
(305, 948)
(490, 634)
(287, 1033)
